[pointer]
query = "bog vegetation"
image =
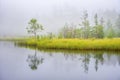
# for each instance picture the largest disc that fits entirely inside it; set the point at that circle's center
(100, 36)
(74, 44)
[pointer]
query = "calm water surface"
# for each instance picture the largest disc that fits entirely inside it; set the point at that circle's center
(17, 63)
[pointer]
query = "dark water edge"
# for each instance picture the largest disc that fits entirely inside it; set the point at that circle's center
(21, 63)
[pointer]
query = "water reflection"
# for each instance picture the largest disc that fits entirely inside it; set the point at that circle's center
(18, 63)
(87, 59)
(34, 60)
(84, 59)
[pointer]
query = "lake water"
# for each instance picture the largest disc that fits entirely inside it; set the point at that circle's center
(19, 63)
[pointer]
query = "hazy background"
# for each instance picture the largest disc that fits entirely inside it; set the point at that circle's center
(52, 14)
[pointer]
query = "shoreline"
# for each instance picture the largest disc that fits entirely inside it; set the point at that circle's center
(74, 44)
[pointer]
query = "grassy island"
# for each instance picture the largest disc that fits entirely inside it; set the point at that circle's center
(73, 44)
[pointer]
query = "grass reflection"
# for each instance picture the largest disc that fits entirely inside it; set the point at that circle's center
(85, 58)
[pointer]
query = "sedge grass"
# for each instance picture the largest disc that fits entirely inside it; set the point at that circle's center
(75, 44)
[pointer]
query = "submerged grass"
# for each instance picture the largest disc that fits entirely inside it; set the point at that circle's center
(74, 44)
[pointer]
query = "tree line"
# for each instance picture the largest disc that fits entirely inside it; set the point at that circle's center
(100, 29)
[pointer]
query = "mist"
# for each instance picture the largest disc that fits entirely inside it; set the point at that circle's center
(52, 14)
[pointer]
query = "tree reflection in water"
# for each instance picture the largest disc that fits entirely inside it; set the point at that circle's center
(98, 59)
(34, 61)
(85, 59)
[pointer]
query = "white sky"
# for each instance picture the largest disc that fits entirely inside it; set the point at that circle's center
(53, 14)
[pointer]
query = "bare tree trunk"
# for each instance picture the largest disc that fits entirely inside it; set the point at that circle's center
(35, 36)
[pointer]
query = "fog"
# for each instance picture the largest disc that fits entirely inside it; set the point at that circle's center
(52, 14)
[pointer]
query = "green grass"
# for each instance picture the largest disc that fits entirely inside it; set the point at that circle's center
(74, 44)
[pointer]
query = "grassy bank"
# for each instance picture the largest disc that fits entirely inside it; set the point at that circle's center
(74, 44)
